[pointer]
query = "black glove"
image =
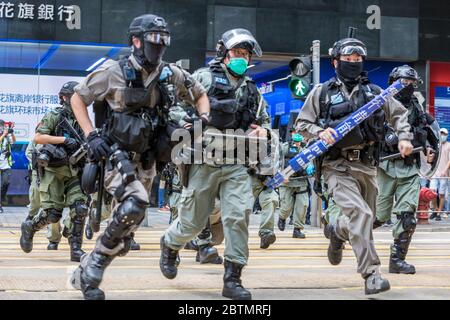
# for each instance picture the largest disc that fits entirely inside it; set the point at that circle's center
(98, 146)
(70, 144)
(10, 130)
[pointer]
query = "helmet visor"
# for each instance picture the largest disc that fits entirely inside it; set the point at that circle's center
(157, 38)
(348, 50)
(235, 37)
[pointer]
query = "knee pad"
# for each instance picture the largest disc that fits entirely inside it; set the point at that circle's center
(408, 220)
(53, 215)
(131, 211)
(81, 209)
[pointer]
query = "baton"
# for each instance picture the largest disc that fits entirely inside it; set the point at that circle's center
(398, 155)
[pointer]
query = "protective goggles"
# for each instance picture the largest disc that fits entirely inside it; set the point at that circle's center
(408, 81)
(157, 38)
(348, 50)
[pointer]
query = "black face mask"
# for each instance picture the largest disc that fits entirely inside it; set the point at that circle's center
(153, 54)
(149, 57)
(348, 72)
(406, 94)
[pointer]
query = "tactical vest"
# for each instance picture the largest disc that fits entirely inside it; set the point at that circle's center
(227, 112)
(419, 122)
(140, 127)
(338, 108)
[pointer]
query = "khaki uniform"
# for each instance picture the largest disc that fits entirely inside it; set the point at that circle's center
(353, 185)
(231, 183)
(108, 83)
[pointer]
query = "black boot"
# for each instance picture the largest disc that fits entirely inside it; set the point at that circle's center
(298, 234)
(191, 245)
(291, 220)
(29, 228)
(232, 284)
(76, 239)
(88, 276)
(281, 224)
(168, 260)
(208, 254)
(267, 240)
(134, 245)
(374, 283)
(88, 232)
(400, 247)
(52, 246)
(335, 247)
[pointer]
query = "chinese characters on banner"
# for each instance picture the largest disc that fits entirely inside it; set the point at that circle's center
(24, 99)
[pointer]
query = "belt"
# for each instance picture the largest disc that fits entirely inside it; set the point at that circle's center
(352, 154)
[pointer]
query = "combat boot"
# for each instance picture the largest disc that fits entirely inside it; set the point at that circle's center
(168, 260)
(29, 228)
(335, 247)
(88, 232)
(191, 245)
(291, 220)
(134, 245)
(397, 263)
(374, 283)
(88, 276)
(267, 240)
(281, 224)
(52, 246)
(208, 254)
(232, 284)
(298, 234)
(76, 239)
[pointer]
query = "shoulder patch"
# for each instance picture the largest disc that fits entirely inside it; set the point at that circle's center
(221, 80)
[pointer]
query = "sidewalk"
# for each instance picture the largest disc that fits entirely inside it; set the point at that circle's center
(13, 217)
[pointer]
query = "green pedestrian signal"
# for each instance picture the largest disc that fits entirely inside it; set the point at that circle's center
(300, 83)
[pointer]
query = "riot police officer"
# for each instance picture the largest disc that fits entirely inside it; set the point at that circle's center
(399, 177)
(294, 195)
(59, 185)
(234, 102)
(137, 92)
(349, 166)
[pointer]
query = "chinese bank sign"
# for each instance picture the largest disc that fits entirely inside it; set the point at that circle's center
(68, 14)
(24, 99)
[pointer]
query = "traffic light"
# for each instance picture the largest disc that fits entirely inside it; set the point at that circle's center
(300, 83)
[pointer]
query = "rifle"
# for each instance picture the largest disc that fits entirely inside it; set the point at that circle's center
(82, 151)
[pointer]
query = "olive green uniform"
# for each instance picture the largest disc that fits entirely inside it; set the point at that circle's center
(231, 183)
(353, 184)
(294, 197)
(402, 183)
(53, 230)
(268, 200)
(59, 186)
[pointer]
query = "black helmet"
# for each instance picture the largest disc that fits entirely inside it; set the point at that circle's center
(148, 23)
(347, 46)
(68, 88)
(404, 71)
